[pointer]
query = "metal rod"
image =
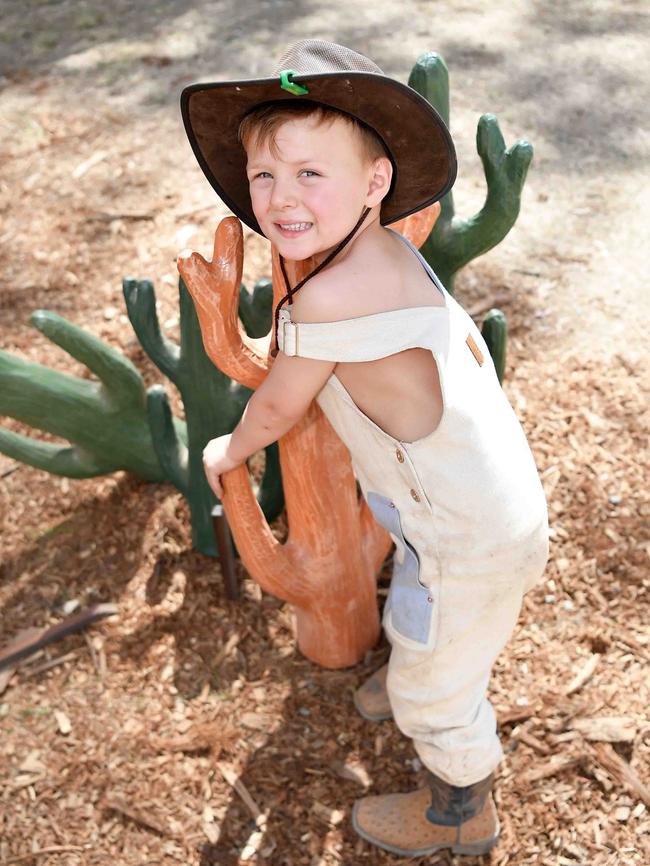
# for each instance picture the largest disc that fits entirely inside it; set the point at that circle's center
(226, 553)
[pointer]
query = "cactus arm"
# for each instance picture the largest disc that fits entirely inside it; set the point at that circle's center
(44, 398)
(141, 307)
(456, 242)
(72, 462)
(505, 174)
(505, 170)
(123, 384)
(495, 334)
(218, 354)
(171, 452)
(268, 561)
(78, 410)
(214, 286)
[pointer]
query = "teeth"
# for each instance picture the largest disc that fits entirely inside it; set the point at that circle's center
(294, 227)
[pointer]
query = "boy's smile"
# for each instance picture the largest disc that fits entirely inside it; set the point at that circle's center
(308, 191)
(293, 229)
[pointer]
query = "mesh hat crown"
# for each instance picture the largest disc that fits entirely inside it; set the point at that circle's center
(310, 56)
(412, 131)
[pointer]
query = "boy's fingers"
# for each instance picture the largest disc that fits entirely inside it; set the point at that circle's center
(213, 482)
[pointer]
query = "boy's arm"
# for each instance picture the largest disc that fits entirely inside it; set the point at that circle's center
(293, 382)
(280, 401)
(278, 404)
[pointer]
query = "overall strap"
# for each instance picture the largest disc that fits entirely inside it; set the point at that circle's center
(427, 267)
(366, 338)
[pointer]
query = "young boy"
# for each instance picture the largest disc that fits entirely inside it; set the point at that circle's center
(319, 160)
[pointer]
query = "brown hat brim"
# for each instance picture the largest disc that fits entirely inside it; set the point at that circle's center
(422, 152)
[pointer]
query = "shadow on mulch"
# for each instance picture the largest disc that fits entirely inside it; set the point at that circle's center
(91, 555)
(306, 723)
(293, 776)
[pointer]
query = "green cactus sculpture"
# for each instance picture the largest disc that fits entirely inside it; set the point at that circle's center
(453, 241)
(256, 308)
(213, 405)
(495, 334)
(106, 421)
(110, 422)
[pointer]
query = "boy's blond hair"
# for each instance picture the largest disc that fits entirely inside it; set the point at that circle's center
(262, 124)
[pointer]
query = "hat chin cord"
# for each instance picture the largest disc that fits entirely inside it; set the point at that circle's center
(291, 292)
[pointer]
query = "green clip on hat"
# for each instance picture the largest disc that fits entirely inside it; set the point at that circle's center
(415, 136)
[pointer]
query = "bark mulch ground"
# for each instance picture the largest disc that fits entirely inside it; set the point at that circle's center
(187, 729)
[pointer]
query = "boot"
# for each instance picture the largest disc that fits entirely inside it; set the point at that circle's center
(371, 699)
(437, 816)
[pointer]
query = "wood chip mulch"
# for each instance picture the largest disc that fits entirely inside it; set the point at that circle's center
(187, 729)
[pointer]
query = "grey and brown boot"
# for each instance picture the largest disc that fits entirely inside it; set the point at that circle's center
(429, 819)
(371, 699)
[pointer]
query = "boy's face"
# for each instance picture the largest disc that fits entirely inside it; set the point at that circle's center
(317, 186)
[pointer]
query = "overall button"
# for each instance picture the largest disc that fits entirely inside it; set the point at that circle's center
(415, 495)
(399, 455)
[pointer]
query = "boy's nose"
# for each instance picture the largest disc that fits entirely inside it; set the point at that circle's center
(282, 195)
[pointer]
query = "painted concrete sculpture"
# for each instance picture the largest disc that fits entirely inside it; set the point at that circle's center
(213, 403)
(454, 241)
(256, 308)
(495, 333)
(105, 421)
(327, 567)
(109, 423)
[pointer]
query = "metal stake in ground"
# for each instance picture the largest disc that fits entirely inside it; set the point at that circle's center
(226, 553)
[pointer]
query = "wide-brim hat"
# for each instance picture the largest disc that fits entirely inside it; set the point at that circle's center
(414, 134)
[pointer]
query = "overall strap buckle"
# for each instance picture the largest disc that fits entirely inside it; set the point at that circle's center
(289, 338)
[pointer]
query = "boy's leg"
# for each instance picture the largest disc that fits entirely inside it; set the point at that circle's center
(438, 697)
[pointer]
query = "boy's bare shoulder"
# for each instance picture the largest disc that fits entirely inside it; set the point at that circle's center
(327, 296)
(347, 289)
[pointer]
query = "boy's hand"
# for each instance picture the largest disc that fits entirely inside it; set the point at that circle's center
(216, 461)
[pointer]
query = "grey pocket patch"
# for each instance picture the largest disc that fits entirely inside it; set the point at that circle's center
(411, 604)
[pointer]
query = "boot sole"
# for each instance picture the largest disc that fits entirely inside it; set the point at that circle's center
(377, 717)
(482, 846)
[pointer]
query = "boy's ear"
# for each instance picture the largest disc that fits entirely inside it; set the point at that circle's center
(381, 174)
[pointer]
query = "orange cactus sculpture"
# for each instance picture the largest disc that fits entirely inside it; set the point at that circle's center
(327, 567)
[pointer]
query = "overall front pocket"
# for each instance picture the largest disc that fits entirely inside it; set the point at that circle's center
(411, 611)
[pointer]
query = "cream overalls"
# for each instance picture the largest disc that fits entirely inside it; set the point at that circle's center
(466, 510)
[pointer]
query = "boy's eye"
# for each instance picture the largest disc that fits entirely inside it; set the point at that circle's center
(306, 171)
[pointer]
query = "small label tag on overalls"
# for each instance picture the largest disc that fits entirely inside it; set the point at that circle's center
(471, 342)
